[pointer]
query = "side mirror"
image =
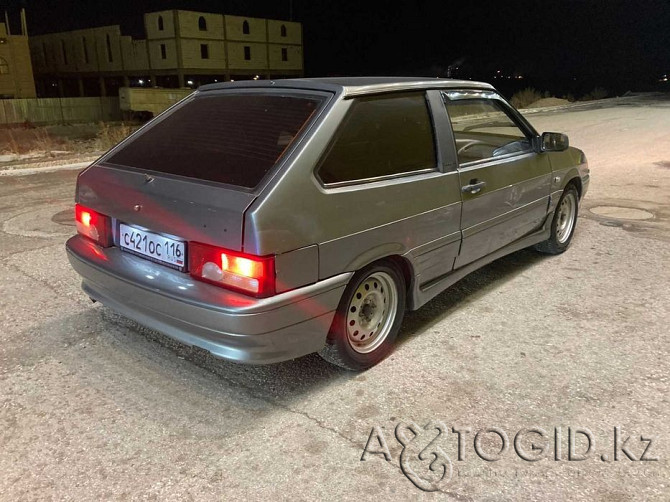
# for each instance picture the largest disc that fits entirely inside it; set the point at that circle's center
(554, 142)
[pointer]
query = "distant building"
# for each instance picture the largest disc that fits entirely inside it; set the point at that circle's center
(16, 73)
(182, 48)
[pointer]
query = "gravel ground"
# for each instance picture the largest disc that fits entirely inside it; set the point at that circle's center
(94, 407)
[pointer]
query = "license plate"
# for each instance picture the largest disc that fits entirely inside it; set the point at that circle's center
(153, 246)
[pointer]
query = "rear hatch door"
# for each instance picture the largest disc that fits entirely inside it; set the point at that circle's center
(184, 209)
(194, 171)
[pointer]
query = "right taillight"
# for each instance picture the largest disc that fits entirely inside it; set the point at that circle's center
(94, 225)
(250, 274)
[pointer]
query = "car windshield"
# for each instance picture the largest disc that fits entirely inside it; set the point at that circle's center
(227, 138)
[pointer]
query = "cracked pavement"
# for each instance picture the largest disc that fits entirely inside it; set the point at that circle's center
(94, 406)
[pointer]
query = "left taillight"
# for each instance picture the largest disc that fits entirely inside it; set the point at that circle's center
(93, 225)
(250, 274)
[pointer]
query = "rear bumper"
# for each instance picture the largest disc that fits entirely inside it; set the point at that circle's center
(227, 324)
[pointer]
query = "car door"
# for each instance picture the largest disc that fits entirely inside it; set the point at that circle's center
(505, 183)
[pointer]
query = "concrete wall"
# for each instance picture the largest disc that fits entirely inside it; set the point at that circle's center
(134, 54)
(155, 55)
(58, 110)
(150, 100)
(259, 56)
(78, 51)
(191, 54)
(16, 73)
(189, 26)
(293, 55)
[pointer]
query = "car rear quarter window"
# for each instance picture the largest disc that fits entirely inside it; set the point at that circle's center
(381, 136)
(234, 139)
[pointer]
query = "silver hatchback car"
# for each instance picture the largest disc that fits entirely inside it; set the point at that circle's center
(263, 221)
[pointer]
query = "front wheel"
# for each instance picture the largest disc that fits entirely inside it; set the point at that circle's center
(564, 223)
(368, 318)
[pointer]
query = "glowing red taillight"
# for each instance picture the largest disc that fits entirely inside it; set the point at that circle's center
(250, 274)
(93, 225)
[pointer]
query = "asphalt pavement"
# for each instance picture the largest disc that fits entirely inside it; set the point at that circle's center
(535, 378)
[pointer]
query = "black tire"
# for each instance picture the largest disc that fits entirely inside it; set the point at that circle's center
(366, 308)
(559, 241)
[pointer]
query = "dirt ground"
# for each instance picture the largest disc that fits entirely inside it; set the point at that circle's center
(93, 407)
(35, 145)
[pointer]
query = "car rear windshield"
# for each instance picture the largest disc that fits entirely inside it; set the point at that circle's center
(234, 139)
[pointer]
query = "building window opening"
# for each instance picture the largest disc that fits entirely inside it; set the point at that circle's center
(160, 23)
(83, 43)
(247, 53)
(283, 30)
(284, 54)
(202, 23)
(245, 27)
(163, 52)
(204, 51)
(63, 51)
(110, 58)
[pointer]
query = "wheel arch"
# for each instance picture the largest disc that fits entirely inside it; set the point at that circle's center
(389, 253)
(575, 180)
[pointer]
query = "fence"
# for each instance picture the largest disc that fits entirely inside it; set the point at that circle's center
(59, 110)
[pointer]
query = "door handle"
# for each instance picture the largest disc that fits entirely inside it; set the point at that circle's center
(474, 187)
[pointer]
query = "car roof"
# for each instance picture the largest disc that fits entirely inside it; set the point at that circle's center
(354, 86)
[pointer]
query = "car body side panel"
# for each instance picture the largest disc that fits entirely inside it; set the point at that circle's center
(297, 268)
(569, 165)
(357, 224)
(421, 294)
(513, 203)
(284, 217)
(349, 236)
(407, 236)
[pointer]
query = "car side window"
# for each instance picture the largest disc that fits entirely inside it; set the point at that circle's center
(483, 130)
(379, 137)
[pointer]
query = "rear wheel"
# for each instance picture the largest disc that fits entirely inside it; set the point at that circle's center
(564, 223)
(368, 318)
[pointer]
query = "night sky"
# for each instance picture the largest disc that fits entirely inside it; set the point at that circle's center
(563, 46)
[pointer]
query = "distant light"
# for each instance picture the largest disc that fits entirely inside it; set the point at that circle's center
(140, 81)
(215, 80)
(232, 80)
(189, 82)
